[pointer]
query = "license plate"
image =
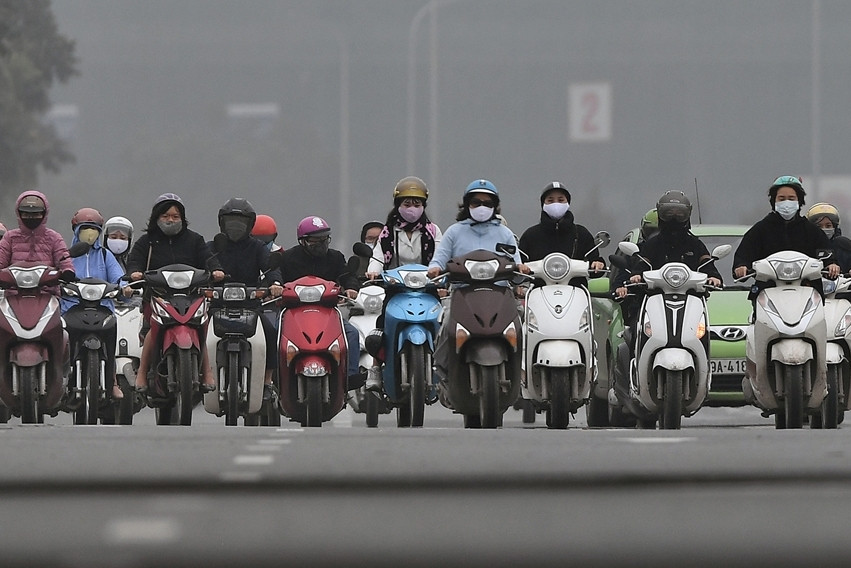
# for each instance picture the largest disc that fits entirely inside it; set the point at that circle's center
(727, 366)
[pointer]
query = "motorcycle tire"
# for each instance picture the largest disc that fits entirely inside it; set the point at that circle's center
(489, 411)
(560, 380)
(528, 408)
(372, 403)
(418, 373)
(793, 399)
(672, 406)
(232, 389)
(28, 382)
(187, 376)
(830, 404)
(124, 414)
(92, 382)
(313, 402)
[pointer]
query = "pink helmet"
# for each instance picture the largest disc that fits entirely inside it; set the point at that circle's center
(313, 226)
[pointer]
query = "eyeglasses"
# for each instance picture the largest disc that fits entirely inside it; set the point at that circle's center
(479, 203)
(786, 180)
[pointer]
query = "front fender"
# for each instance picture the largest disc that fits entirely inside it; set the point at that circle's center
(182, 336)
(792, 351)
(28, 354)
(834, 354)
(673, 359)
(415, 334)
(486, 353)
(559, 353)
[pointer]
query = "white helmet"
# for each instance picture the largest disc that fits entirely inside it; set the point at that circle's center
(122, 224)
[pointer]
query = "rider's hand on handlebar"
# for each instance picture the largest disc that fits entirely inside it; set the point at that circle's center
(352, 294)
(433, 272)
(217, 276)
(372, 275)
(620, 291)
(712, 281)
(833, 271)
(597, 266)
(635, 279)
(275, 290)
(524, 269)
(127, 291)
(136, 276)
(740, 271)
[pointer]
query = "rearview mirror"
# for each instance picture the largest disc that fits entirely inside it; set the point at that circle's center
(602, 238)
(721, 251)
(628, 248)
(362, 250)
(79, 249)
(505, 248)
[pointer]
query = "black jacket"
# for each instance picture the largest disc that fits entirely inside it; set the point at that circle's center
(773, 234)
(154, 250)
(558, 235)
(664, 247)
(297, 262)
(244, 261)
(841, 246)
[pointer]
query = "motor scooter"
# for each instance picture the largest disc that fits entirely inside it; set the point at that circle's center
(312, 371)
(786, 365)
(34, 354)
(837, 316)
(179, 321)
(669, 375)
(238, 341)
(483, 338)
(363, 313)
(560, 354)
(128, 351)
(93, 329)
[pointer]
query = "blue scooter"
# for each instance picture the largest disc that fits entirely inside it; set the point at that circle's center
(411, 322)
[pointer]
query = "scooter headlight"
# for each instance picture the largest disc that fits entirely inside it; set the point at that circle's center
(584, 319)
(92, 292)
(233, 294)
(843, 324)
(675, 276)
(788, 270)
(701, 327)
(310, 294)
(372, 304)
(531, 320)
(179, 280)
(556, 266)
(414, 279)
(27, 277)
(481, 270)
(160, 310)
(829, 286)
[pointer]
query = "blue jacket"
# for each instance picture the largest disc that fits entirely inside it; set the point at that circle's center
(97, 263)
(468, 235)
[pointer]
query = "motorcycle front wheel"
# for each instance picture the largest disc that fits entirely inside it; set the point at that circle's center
(672, 406)
(559, 411)
(28, 382)
(489, 395)
(793, 389)
(415, 364)
(830, 404)
(313, 402)
(232, 378)
(92, 382)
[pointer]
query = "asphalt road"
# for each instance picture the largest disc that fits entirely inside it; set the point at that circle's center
(726, 489)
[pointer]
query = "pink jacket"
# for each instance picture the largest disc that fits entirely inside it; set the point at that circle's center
(40, 245)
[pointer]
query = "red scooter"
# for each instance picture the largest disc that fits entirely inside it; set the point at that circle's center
(179, 322)
(34, 356)
(312, 353)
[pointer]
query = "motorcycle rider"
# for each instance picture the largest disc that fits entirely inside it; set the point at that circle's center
(557, 232)
(782, 229)
(265, 230)
(314, 258)
(118, 237)
(826, 217)
(244, 259)
(33, 241)
(369, 236)
(406, 237)
(87, 224)
(168, 240)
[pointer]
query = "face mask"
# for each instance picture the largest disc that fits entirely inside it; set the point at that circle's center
(557, 209)
(117, 246)
(786, 209)
(481, 213)
(88, 235)
(316, 249)
(411, 214)
(170, 228)
(829, 232)
(235, 229)
(32, 224)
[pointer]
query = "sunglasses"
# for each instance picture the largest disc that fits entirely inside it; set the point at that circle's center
(479, 203)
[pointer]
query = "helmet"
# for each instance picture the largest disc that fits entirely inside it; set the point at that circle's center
(787, 181)
(238, 206)
(481, 186)
(555, 185)
(410, 187)
(264, 226)
(313, 226)
(88, 216)
(168, 197)
(32, 204)
(673, 206)
(367, 226)
(821, 210)
(649, 223)
(121, 223)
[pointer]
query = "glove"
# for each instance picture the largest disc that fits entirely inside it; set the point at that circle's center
(68, 276)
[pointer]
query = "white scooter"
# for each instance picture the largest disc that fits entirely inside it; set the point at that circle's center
(560, 354)
(128, 350)
(837, 316)
(786, 343)
(363, 313)
(669, 376)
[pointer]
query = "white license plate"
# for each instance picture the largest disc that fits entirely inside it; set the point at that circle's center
(727, 366)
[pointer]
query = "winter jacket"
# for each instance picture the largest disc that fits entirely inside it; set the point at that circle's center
(466, 236)
(97, 263)
(841, 246)
(297, 262)
(243, 261)
(154, 250)
(559, 235)
(37, 246)
(773, 234)
(664, 247)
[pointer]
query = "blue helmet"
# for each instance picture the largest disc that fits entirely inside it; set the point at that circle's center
(481, 186)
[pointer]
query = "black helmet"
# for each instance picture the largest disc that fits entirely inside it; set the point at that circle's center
(239, 207)
(674, 206)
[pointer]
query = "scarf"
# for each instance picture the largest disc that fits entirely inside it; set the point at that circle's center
(388, 243)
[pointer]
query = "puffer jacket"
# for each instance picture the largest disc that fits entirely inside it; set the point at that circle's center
(97, 263)
(40, 245)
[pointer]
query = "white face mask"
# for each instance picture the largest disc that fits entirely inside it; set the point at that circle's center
(481, 213)
(117, 246)
(829, 232)
(557, 209)
(787, 209)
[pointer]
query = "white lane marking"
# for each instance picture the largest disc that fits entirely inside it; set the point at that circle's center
(253, 460)
(145, 531)
(657, 440)
(274, 441)
(289, 430)
(266, 448)
(240, 476)
(343, 419)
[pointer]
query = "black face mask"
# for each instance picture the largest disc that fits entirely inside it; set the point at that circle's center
(316, 249)
(235, 229)
(32, 224)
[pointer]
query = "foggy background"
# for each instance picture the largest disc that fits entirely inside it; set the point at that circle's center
(302, 106)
